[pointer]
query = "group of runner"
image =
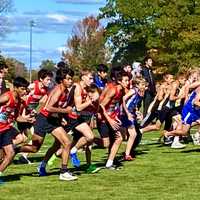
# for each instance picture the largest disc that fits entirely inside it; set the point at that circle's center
(56, 104)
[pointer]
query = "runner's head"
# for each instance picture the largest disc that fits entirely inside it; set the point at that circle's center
(102, 71)
(141, 84)
(45, 76)
(181, 78)
(122, 78)
(20, 86)
(86, 76)
(168, 78)
(93, 92)
(65, 76)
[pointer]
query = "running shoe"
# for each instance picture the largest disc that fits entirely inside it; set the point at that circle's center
(74, 159)
(67, 176)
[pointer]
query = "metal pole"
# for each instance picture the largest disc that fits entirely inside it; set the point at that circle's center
(30, 67)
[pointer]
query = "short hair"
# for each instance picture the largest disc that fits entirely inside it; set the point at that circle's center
(114, 70)
(85, 72)
(147, 58)
(140, 80)
(62, 64)
(120, 74)
(62, 72)
(93, 88)
(43, 73)
(102, 68)
(20, 82)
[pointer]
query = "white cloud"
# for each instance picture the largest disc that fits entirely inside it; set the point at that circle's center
(59, 18)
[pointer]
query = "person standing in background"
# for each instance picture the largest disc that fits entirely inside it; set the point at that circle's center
(149, 77)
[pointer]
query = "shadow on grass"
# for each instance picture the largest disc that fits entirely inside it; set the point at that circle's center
(32, 159)
(191, 150)
(17, 177)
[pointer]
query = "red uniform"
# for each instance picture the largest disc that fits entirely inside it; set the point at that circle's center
(113, 106)
(34, 97)
(75, 114)
(62, 101)
(9, 112)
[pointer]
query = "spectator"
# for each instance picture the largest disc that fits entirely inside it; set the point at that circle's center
(149, 77)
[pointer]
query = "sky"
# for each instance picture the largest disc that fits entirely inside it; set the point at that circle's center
(54, 20)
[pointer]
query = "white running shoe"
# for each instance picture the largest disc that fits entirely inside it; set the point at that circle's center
(177, 145)
(67, 177)
(196, 138)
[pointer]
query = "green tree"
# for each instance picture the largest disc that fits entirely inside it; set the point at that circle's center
(16, 68)
(86, 47)
(47, 64)
(169, 27)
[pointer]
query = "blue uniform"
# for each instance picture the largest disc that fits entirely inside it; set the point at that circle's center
(99, 82)
(132, 105)
(190, 112)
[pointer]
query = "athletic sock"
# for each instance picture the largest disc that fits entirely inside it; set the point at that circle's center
(73, 150)
(109, 163)
(63, 169)
(43, 164)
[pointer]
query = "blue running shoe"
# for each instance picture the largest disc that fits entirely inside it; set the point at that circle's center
(74, 159)
(41, 170)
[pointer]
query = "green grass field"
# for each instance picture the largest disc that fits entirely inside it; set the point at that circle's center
(157, 173)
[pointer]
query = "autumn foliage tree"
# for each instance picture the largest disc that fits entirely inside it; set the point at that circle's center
(168, 28)
(86, 47)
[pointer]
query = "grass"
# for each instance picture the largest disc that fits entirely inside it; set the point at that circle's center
(157, 173)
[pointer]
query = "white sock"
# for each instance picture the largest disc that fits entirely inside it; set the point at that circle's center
(73, 150)
(109, 163)
(43, 164)
(176, 139)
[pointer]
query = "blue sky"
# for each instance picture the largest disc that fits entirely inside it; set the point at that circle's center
(54, 20)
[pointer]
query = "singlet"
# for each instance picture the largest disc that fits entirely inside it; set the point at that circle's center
(113, 106)
(34, 97)
(62, 101)
(76, 114)
(133, 101)
(9, 112)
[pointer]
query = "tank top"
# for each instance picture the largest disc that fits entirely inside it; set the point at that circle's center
(62, 101)
(8, 112)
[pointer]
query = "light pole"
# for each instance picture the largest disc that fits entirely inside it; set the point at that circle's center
(32, 24)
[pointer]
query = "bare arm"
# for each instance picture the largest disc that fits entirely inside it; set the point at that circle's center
(127, 96)
(52, 100)
(78, 99)
(173, 96)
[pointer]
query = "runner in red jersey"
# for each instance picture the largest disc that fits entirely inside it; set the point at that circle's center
(110, 102)
(78, 118)
(10, 103)
(47, 121)
(37, 95)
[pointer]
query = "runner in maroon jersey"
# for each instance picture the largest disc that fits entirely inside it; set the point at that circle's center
(47, 121)
(37, 95)
(10, 103)
(110, 125)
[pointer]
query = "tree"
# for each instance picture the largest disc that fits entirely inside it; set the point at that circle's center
(86, 47)
(170, 27)
(16, 68)
(5, 7)
(47, 64)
